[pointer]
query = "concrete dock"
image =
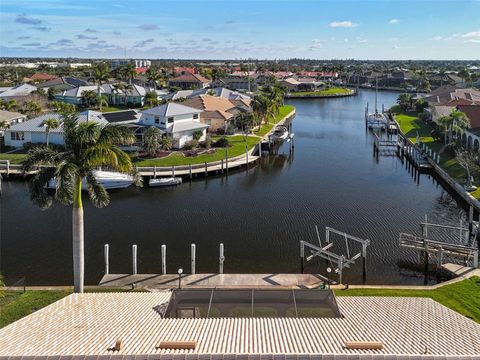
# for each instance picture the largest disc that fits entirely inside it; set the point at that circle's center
(168, 281)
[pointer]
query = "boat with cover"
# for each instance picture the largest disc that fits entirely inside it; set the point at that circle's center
(108, 179)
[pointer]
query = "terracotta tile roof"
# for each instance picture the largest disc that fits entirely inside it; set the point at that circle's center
(89, 324)
(42, 76)
(187, 77)
(473, 113)
(209, 103)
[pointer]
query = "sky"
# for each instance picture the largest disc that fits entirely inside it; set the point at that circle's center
(231, 29)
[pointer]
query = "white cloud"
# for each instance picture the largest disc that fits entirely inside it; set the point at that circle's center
(393, 21)
(344, 24)
(472, 41)
(437, 38)
(395, 47)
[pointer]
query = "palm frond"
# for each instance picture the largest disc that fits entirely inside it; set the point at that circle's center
(97, 193)
(40, 155)
(87, 133)
(118, 135)
(38, 187)
(65, 176)
(105, 154)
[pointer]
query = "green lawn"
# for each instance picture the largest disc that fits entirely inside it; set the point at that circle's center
(14, 158)
(236, 148)
(411, 124)
(266, 128)
(463, 296)
(326, 92)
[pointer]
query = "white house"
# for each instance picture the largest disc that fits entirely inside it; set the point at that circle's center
(34, 130)
(177, 120)
(17, 91)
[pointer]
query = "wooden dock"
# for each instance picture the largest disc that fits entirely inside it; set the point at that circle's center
(169, 281)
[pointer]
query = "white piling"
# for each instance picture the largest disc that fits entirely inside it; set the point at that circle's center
(106, 257)
(134, 259)
(193, 258)
(164, 259)
(221, 259)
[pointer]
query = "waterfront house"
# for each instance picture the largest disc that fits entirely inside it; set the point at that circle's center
(34, 130)
(17, 92)
(218, 112)
(241, 324)
(10, 118)
(217, 91)
(134, 95)
(62, 83)
(176, 120)
(448, 93)
(75, 96)
(471, 136)
(189, 81)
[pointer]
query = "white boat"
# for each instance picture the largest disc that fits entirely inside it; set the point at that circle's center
(171, 181)
(376, 120)
(108, 179)
(280, 133)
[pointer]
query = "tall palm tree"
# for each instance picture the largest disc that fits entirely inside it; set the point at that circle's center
(101, 73)
(151, 98)
(88, 145)
(153, 75)
(151, 140)
(129, 72)
(260, 105)
(50, 124)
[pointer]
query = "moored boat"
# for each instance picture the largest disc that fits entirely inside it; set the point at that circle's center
(280, 133)
(171, 181)
(108, 179)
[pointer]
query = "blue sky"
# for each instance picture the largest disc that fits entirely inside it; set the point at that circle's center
(229, 29)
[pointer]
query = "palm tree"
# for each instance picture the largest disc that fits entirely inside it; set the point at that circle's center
(88, 145)
(32, 108)
(153, 75)
(151, 98)
(101, 73)
(260, 105)
(405, 101)
(151, 142)
(4, 125)
(166, 142)
(49, 125)
(102, 101)
(129, 72)
(457, 122)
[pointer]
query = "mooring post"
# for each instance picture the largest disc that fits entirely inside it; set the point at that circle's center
(426, 257)
(206, 169)
(340, 269)
(190, 171)
(164, 259)
(302, 255)
(8, 167)
(154, 171)
(327, 235)
(134, 259)
(475, 259)
(173, 170)
(470, 221)
(461, 231)
(192, 251)
(106, 257)
(246, 156)
(226, 157)
(221, 259)
(364, 259)
(222, 167)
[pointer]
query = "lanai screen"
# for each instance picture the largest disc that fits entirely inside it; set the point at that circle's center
(244, 303)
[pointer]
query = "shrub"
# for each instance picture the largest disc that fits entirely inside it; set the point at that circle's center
(192, 144)
(222, 142)
(207, 144)
(197, 135)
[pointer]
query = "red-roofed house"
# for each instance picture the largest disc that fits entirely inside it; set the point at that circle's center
(471, 137)
(42, 77)
(141, 70)
(182, 70)
(188, 81)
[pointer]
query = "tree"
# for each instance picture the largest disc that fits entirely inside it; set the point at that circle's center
(166, 142)
(151, 98)
(49, 125)
(10, 105)
(470, 162)
(245, 121)
(101, 73)
(51, 93)
(197, 135)
(405, 101)
(455, 123)
(151, 140)
(90, 98)
(261, 106)
(88, 145)
(420, 105)
(102, 101)
(153, 75)
(32, 108)
(129, 72)
(465, 75)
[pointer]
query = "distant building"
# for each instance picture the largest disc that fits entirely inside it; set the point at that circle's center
(114, 64)
(189, 81)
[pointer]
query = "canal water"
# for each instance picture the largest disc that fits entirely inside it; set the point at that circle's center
(330, 179)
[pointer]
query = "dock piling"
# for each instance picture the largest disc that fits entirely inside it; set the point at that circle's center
(221, 259)
(302, 256)
(106, 257)
(164, 259)
(206, 169)
(190, 171)
(134, 259)
(192, 250)
(173, 171)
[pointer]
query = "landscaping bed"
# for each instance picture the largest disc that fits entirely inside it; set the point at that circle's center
(267, 127)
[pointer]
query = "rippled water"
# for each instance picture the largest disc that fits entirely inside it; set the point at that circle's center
(330, 179)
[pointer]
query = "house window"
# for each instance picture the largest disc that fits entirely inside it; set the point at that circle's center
(157, 119)
(17, 136)
(195, 116)
(170, 120)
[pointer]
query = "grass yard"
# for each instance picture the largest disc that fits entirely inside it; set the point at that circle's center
(14, 158)
(411, 124)
(326, 92)
(266, 128)
(236, 148)
(463, 296)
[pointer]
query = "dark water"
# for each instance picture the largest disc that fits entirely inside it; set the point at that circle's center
(331, 179)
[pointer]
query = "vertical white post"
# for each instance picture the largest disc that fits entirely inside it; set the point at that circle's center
(461, 231)
(425, 228)
(134, 259)
(221, 259)
(164, 259)
(327, 236)
(193, 258)
(106, 256)
(475, 259)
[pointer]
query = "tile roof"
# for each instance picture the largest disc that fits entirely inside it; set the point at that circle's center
(77, 91)
(20, 90)
(188, 77)
(171, 109)
(36, 124)
(473, 113)
(42, 76)
(10, 115)
(89, 324)
(209, 103)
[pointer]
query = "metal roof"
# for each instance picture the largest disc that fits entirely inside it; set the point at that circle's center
(10, 115)
(20, 90)
(89, 324)
(171, 109)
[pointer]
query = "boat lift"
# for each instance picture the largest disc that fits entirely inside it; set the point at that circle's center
(340, 261)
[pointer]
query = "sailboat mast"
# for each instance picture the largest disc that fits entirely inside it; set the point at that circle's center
(376, 92)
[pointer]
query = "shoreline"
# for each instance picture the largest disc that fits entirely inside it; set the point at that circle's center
(312, 95)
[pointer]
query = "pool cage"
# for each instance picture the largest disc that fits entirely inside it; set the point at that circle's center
(251, 303)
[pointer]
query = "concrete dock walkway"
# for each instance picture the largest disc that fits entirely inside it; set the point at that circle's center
(156, 281)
